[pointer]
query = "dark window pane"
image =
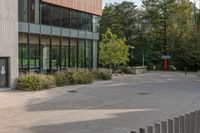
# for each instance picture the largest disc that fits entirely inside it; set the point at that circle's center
(56, 16)
(65, 53)
(81, 53)
(23, 10)
(34, 51)
(75, 16)
(46, 14)
(34, 11)
(55, 53)
(23, 50)
(89, 54)
(45, 42)
(73, 53)
(65, 18)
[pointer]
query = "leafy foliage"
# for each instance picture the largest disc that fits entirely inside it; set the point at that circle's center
(34, 82)
(113, 50)
(160, 27)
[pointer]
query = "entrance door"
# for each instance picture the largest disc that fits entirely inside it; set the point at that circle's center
(3, 72)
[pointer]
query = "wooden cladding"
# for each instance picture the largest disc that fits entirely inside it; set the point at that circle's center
(90, 6)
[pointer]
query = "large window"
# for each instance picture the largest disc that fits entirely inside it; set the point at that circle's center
(89, 53)
(34, 51)
(34, 11)
(46, 14)
(86, 22)
(65, 18)
(95, 22)
(23, 50)
(81, 53)
(23, 10)
(65, 53)
(73, 52)
(56, 16)
(55, 53)
(45, 43)
(75, 16)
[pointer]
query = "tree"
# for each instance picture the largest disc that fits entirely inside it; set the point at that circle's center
(113, 50)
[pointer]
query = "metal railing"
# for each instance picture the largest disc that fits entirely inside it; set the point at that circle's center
(188, 123)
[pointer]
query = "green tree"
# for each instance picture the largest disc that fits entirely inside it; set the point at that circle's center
(113, 50)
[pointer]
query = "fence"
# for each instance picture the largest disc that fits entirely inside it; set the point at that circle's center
(188, 123)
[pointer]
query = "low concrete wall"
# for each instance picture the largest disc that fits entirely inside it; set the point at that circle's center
(139, 69)
(198, 73)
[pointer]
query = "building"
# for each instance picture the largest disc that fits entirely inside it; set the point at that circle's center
(45, 36)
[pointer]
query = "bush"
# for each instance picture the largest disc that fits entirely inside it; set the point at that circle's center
(61, 78)
(102, 74)
(73, 76)
(34, 82)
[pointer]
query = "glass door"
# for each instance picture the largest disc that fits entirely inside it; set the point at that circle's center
(3, 72)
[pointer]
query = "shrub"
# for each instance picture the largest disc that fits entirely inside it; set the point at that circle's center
(61, 78)
(73, 76)
(102, 74)
(83, 77)
(34, 82)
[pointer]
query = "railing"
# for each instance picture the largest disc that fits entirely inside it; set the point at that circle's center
(188, 123)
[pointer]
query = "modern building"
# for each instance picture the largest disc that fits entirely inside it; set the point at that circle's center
(45, 36)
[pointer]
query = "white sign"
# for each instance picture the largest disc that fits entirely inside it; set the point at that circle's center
(3, 71)
(166, 57)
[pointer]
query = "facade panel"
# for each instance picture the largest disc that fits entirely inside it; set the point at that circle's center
(9, 37)
(90, 6)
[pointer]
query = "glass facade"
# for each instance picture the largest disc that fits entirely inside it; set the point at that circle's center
(47, 53)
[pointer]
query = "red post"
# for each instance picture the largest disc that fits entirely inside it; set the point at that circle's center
(165, 64)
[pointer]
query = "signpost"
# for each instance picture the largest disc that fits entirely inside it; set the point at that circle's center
(166, 58)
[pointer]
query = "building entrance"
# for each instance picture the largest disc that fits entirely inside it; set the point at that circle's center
(4, 78)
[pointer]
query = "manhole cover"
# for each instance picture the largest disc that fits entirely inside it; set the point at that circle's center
(143, 93)
(72, 91)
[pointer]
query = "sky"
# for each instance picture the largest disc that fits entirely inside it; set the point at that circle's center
(137, 2)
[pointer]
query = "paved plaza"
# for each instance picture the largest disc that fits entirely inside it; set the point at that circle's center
(116, 106)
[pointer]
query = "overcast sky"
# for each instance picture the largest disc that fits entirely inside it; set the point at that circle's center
(137, 2)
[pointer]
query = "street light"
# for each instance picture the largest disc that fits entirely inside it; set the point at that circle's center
(132, 56)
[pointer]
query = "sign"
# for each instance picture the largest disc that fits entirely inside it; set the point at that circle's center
(166, 57)
(3, 71)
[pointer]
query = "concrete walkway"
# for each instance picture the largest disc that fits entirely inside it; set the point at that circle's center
(116, 106)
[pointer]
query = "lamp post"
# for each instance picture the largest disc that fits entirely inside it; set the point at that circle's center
(132, 56)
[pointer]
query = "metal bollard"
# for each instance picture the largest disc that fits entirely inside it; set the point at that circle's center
(176, 125)
(196, 130)
(182, 124)
(149, 129)
(157, 128)
(192, 122)
(187, 123)
(142, 130)
(133, 132)
(170, 126)
(164, 126)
